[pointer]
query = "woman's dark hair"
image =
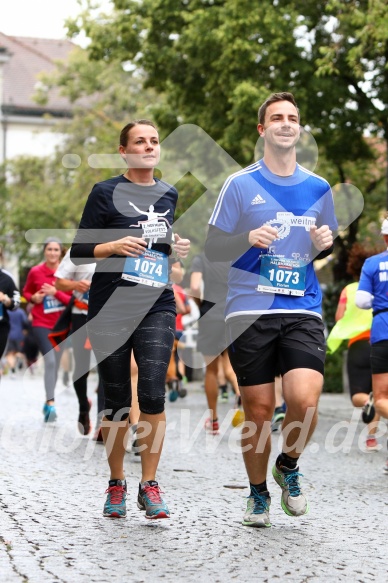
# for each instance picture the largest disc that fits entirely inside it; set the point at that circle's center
(126, 129)
(274, 98)
(356, 258)
(52, 240)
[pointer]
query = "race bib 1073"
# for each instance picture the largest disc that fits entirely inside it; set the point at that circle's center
(282, 276)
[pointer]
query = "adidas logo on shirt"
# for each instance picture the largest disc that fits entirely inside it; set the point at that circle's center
(258, 199)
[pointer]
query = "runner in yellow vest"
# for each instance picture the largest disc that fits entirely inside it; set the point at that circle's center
(353, 324)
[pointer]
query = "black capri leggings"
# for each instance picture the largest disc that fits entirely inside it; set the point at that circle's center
(4, 331)
(151, 342)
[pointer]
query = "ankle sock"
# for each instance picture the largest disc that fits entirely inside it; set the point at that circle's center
(260, 488)
(118, 482)
(285, 460)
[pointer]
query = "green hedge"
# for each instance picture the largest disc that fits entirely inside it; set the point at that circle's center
(333, 367)
(333, 372)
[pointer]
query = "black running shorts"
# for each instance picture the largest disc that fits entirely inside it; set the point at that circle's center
(379, 357)
(359, 367)
(275, 344)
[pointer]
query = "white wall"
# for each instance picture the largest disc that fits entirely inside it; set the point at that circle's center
(26, 137)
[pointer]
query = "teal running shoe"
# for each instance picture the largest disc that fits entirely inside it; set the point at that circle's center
(115, 505)
(150, 500)
(49, 413)
(173, 392)
(294, 501)
(257, 512)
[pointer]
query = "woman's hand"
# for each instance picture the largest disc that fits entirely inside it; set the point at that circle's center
(48, 290)
(127, 246)
(37, 297)
(181, 247)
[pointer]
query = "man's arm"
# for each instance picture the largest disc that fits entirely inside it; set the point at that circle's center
(66, 285)
(196, 286)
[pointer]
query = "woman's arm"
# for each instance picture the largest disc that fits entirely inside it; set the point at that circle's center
(340, 312)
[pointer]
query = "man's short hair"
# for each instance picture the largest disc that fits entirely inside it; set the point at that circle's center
(275, 97)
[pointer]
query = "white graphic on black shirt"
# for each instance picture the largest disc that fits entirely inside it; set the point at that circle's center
(155, 227)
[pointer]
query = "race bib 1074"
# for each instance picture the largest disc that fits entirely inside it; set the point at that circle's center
(150, 268)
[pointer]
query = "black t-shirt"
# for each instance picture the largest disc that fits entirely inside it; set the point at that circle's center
(215, 282)
(117, 208)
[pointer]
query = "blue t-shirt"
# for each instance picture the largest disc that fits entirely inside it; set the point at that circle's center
(254, 197)
(374, 279)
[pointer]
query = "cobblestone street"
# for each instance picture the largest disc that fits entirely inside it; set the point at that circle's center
(53, 483)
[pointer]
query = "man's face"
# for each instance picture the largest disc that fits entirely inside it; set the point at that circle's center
(281, 125)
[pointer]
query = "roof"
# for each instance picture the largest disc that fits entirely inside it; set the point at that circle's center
(27, 58)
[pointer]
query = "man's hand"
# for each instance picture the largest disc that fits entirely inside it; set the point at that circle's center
(263, 236)
(322, 238)
(83, 285)
(4, 299)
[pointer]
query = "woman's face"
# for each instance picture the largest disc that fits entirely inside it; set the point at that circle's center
(143, 148)
(52, 253)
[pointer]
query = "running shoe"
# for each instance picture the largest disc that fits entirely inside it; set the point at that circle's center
(224, 396)
(84, 425)
(212, 426)
(257, 512)
(173, 393)
(49, 412)
(150, 500)
(294, 502)
(368, 410)
(277, 419)
(385, 468)
(182, 392)
(115, 506)
(371, 443)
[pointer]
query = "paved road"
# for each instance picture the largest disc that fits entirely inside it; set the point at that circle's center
(52, 492)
